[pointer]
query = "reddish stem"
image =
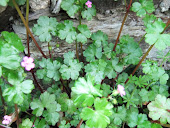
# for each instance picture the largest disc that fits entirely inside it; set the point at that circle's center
(40, 88)
(127, 11)
(78, 126)
(27, 14)
(49, 49)
(2, 99)
(167, 24)
(17, 115)
(28, 29)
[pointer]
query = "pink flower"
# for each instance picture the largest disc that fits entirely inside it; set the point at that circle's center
(7, 120)
(28, 63)
(89, 4)
(121, 90)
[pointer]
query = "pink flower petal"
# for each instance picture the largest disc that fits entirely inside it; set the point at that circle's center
(23, 64)
(25, 58)
(5, 122)
(30, 60)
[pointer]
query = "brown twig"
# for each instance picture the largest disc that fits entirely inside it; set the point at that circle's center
(121, 28)
(26, 26)
(78, 126)
(17, 115)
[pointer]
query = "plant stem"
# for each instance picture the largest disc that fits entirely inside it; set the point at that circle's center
(27, 14)
(131, 95)
(167, 24)
(40, 88)
(127, 11)
(78, 126)
(164, 58)
(140, 61)
(28, 29)
(49, 50)
(141, 39)
(2, 99)
(77, 54)
(17, 115)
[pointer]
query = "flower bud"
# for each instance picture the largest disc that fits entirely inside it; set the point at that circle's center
(115, 93)
(114, 101)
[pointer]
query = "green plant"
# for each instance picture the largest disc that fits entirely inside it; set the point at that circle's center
(91, 90)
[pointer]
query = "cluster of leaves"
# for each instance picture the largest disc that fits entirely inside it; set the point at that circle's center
(10, 69)
(56, 70)
(88, 100)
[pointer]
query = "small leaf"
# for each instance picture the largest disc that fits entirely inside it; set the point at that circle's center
(143, 7)
(67, 32)
(99, 37)
(92, 52)
(84, 33)
(52, 117)
(158, 109)
(27, 123)
(17, 92)
(70, 7)
(45, 28)
(85, 91)
(98, 118)
(89, 13)
(4, 2)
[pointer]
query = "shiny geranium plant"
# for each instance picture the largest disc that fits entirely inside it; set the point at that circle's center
(91, 87)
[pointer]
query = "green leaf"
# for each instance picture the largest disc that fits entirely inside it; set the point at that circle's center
(112, 67)
(53, 70)
(96, 69)
(138, 119)
(119, 115)
(4, 2)
(51, 117)
(69, 56)
(84, 33)
(106, 89)
(67, 32)
(45, 28)
(144, 95)
(70, 7)
(85, 91)
(63, 124)
(98, 118)
(92, 52)
(154, 35)
(13, 40)
(89, 13)
(143, 7)
(70, 71)
(17, 92)
(46, 101)
(99, 37)
(27, 123)
(67, 104)
(158, 109)
(156, 126)
(149, 19)
(129, 47)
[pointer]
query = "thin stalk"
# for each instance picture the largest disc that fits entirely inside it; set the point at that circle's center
(17, 115)
(66, 89)
(167, 25)
(39, 87)
(141, 39)
(140, 61)
(49, 50)
(77, 54)
(28, 29)
(78, 126)
(27, 14)
(2, 99)
(123, 125)
(164, 58)
(121, 28)
(131, 94)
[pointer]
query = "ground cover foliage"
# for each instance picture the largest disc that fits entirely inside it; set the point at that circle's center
(88, 88)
